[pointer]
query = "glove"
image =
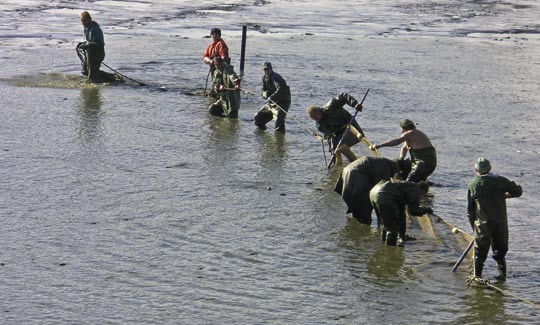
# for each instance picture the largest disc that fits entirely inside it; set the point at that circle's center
(428, 210)
(359, 107)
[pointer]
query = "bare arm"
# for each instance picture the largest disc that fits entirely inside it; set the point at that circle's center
(404, 150)
(390, 143)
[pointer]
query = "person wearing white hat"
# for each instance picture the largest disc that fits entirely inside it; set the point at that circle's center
(486, 210)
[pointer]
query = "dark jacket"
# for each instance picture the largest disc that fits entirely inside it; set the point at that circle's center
(275, 88)
(398, 195)
(336, 117)
(94, 37)
(486, 199)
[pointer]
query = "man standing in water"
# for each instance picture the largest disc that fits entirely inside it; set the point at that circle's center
(389, 200)
(332, 120)
(423, 155)
(94, 47)
(227, 86)
(278, 99)
(217, 48)
(358, 178)
(486, 209)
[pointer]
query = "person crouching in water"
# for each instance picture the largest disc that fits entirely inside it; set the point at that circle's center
(227, 87)
(389, 200)
(332, 120)
(358, 178)
(278, 99)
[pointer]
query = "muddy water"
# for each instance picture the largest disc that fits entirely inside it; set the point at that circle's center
(127, 204)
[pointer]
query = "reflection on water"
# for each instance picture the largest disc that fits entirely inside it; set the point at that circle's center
(221, 142)
(160, 231)
(386, 263)
(368, 257)
(89, 112)
(485, 307)
(272, 149)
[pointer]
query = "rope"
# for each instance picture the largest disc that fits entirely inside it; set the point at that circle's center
(313, 133)
(440, 219)
(124, 76)
(81, 53)
(302, 125)
(206, 84)
(486, 283)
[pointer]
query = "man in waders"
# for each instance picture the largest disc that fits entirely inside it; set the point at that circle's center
(486, 209)
(278, 99)
(218, 48)
(332, 120)
(227, 87)
(358, 178)
(423, 155)
(94, 49)
(389, 200)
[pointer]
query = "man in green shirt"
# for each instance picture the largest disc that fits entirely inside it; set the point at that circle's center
(486, 209)
(227, 87)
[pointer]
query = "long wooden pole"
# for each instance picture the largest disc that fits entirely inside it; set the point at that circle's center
(243, 51)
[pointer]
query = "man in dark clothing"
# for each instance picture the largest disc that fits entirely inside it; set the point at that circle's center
(94, 47)
(389, 200)
(486, 209)
(358, 178)
(278, 99)
(332, 120)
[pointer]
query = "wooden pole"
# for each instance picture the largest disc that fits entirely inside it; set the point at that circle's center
(243, 51)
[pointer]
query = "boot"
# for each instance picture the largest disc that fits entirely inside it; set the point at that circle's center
(391, 239)
(400, 241)
(501, 267)
(478, 267)
(383, 234)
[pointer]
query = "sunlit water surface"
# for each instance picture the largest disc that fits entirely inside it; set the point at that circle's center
(129, 204)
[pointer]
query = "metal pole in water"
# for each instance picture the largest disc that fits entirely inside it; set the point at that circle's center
(243, 51)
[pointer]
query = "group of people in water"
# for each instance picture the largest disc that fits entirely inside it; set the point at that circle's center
(390, 187)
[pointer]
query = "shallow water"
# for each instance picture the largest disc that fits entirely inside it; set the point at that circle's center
(127, 204)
